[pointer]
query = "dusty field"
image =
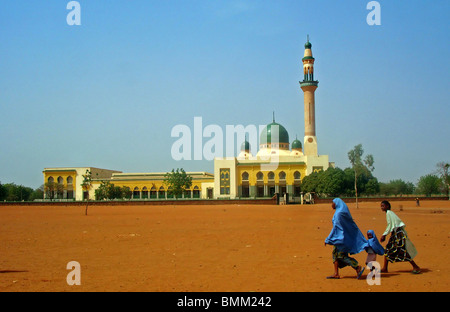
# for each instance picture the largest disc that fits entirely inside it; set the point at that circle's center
(208, 248)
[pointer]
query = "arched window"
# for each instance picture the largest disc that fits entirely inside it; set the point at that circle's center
(153, 192)
(297, 175)
(161, 193)
(271, 175)
(196, 192)
(50, 180)
(60, 188)
(69, 187)
(260, 176)
(282, 175)
(136, 193)
(245, 176)
(144, 192)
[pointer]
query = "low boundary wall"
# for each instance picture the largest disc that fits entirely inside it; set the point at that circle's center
(378, 199)
(210, 202)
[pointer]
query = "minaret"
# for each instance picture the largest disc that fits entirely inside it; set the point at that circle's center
(309, 86)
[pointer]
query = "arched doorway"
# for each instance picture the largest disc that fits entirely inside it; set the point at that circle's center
(245, 185)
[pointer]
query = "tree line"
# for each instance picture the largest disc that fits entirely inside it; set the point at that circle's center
(335, 182)
(358, 180)
(14, 192)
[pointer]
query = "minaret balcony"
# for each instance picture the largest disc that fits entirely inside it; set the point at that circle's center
(306, 83)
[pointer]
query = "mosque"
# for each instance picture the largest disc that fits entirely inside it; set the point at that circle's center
(278, 166)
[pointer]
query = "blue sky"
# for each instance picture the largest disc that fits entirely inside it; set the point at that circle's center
(107, 93)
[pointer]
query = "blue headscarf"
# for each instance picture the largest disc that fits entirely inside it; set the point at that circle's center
(345, 234)
(375, 244)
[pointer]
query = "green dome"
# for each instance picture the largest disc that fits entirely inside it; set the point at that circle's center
(296, 144)
(266, 134)
(245, 147)
(308, 45)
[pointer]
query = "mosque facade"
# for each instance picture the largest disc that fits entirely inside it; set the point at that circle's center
(278, 167)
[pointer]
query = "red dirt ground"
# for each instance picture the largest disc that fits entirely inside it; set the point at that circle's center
(223, 248)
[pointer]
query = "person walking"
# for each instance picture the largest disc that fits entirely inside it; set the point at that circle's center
(373, 248)
(399, 247)
(346, 238)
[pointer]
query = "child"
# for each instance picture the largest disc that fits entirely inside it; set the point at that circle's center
(373, 247)
(399, 248)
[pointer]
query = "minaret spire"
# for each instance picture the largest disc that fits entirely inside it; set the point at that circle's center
(308, 62)
(309, 86)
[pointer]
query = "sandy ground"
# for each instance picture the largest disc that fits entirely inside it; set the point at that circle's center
(226, 248)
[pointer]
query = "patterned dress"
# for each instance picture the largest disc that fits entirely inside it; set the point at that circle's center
(399, 248)
(343, 259)
(396, 247)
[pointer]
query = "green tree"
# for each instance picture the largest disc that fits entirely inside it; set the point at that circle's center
(2, 192)
(400, 187)
(115, 192)
(359, 166)
(310, 183)
(50, 189)
(178, 180)
(443, 172)
(409, 188)
(372, 186)
(331, 182)
(429, 184)
(126, 192)
(16, 192)
(101, 192)
(386, 189)
(86, 185)
(107, 190)
(349, 182)
(38, 193)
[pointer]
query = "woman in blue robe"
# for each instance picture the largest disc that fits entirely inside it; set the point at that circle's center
(346, 239)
